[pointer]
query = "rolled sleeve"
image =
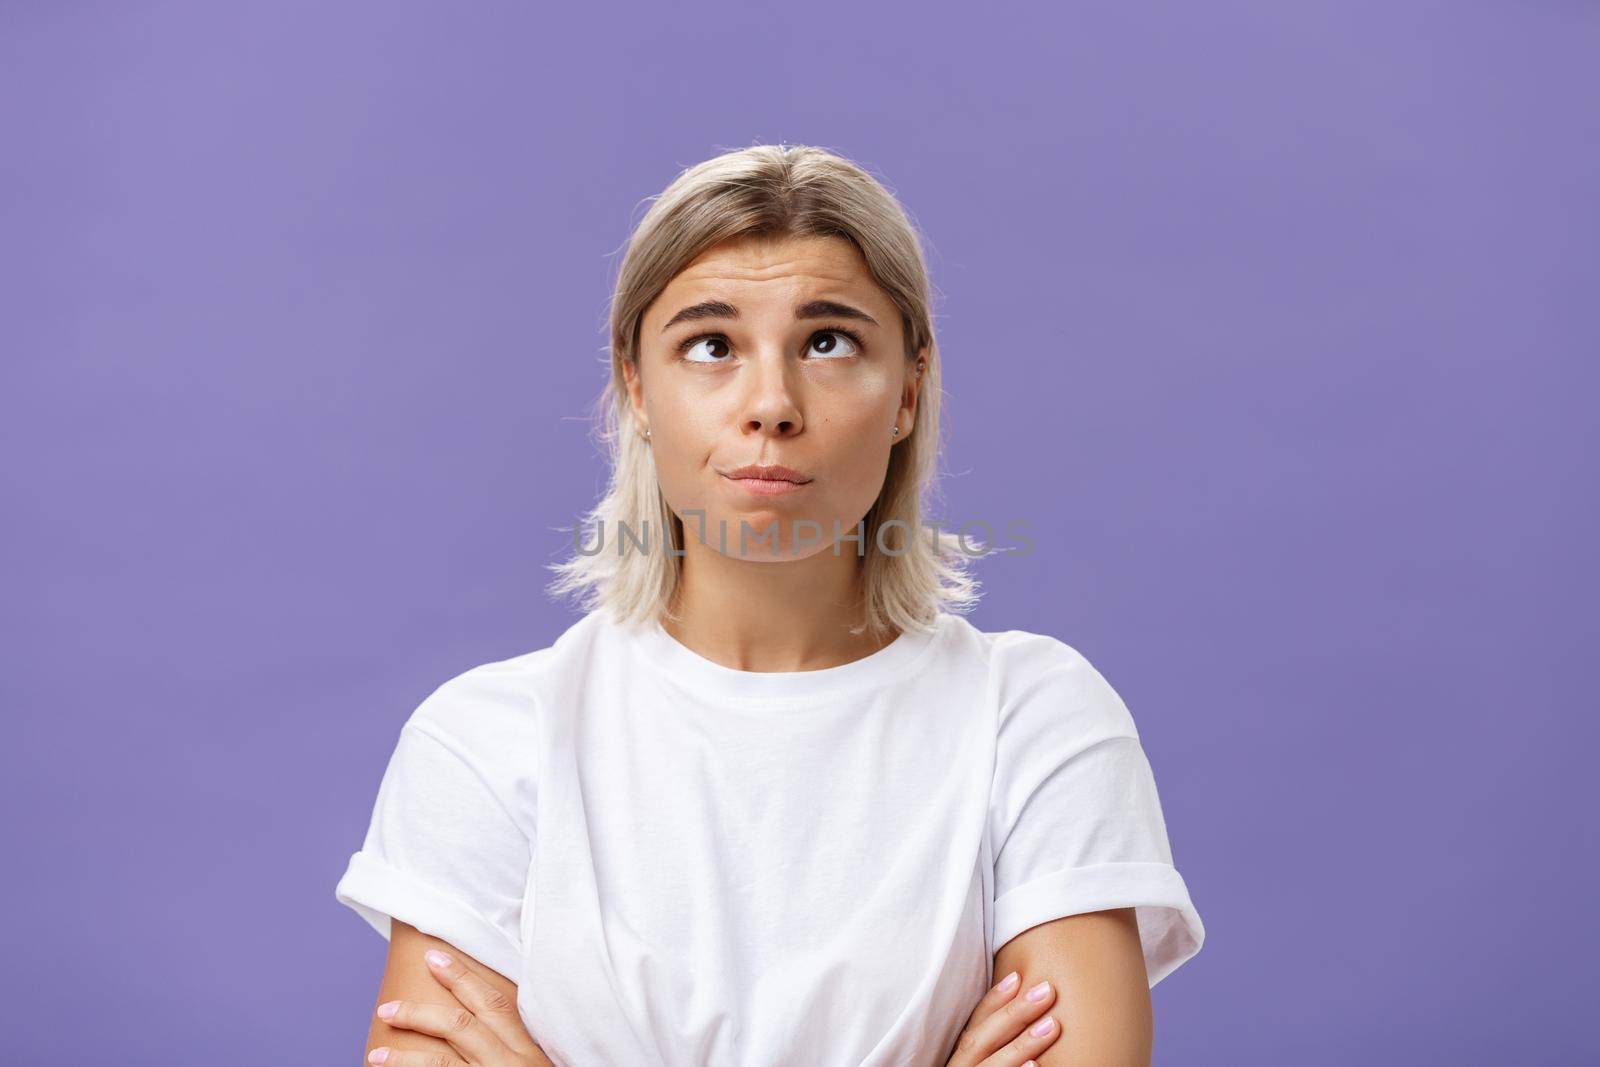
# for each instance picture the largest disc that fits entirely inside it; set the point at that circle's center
(379, 892)
(442, 853)
(1076, 819)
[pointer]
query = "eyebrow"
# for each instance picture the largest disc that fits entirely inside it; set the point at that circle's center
(812, 309)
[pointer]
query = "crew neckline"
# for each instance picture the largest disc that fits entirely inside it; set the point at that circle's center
(688, 667)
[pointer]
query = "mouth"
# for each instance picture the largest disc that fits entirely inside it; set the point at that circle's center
(766, 473)
(768, 480)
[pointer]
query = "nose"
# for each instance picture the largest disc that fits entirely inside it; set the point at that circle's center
(769, 406)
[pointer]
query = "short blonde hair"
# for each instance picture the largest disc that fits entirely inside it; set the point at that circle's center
(772, 191)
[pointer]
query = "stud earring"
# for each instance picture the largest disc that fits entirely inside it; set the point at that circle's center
(647, 433)
(895, 432)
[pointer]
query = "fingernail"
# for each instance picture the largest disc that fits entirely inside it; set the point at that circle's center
(377, 1055)
(1008, 983)
(387, 1009)
(1039, 992)
(437, 958)
(1043, 1026)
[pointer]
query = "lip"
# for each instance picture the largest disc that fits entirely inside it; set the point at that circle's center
(768, 486)
(768, 473)
(768, 480)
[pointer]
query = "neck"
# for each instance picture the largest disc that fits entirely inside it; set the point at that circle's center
(776, 615)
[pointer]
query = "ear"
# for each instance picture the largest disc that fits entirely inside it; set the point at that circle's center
(913, 387)
(635, 387)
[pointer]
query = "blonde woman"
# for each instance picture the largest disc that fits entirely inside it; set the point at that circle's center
(772, 799)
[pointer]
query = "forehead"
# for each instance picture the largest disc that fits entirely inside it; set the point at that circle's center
(782, 267)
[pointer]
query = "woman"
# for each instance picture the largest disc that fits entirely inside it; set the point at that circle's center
(772, 799)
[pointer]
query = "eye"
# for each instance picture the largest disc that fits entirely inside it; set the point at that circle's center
(692, 343)
(831, 350)
(833, 332)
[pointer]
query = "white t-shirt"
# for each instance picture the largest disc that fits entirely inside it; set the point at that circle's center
(682, 864)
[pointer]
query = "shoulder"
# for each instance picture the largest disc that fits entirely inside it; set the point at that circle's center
(1039, 682)
(496, 705)
(503, 701)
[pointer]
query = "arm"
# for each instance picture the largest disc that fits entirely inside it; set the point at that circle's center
(1096, 965)
(406, 977)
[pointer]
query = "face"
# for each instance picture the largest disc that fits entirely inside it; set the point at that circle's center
(773, 353)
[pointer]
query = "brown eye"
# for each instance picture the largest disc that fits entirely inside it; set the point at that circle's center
(828, 343)
(689, 347)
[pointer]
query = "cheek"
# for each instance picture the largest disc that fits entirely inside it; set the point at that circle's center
(856, 425)
(679, 472)
(684, 450)
(690, 424)
(861, 478)
(859, 466)
(860, 408)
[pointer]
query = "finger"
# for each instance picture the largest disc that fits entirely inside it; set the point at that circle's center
(394, 1057)
(494, 1009)
(1031, 1042)
(450, 1022)
(989, 1043)
(977, 1040)
(997, 996)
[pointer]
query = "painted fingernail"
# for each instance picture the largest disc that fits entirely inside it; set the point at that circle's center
(377, 1055)
(1039, 992)
(1043, 1026)
(437, 958)
(1009, 982)
(387, 1009)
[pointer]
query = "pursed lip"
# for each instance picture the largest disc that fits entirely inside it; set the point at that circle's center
(769, 474)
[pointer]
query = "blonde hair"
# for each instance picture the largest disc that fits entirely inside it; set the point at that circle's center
(772, 191)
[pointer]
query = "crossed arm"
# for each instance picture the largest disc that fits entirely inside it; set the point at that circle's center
(1094, 961)
(406, 977)
(1096, 964)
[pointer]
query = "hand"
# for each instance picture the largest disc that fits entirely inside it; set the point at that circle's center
(483, 1028)
(998, 1034)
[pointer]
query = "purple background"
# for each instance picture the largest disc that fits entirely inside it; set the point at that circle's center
(1276, 322)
